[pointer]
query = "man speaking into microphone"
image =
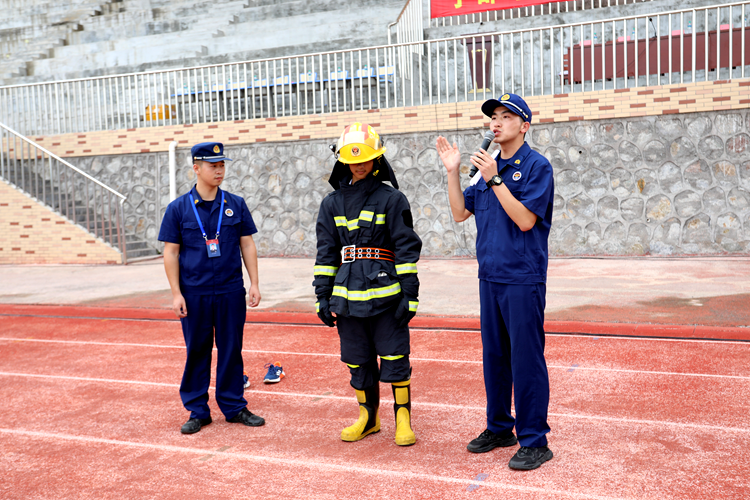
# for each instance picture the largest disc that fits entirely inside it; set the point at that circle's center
(512, 205)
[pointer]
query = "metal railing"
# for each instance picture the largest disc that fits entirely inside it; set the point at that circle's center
(533, 10)
(63, 187)
(680, 46)
(409, 30)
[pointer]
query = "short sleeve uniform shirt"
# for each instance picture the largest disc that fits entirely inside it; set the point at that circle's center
(199, 274)
(505, 253)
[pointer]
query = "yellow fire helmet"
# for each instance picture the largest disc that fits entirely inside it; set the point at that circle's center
(359, 143)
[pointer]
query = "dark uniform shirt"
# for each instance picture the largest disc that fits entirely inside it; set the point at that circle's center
(199, 274)
(505, 253)
(367, 213)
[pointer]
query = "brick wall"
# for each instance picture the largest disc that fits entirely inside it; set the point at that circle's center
(598, 105)
(34, 234)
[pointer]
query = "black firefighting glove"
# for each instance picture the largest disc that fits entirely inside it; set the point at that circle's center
(324, 312)
(403, 315)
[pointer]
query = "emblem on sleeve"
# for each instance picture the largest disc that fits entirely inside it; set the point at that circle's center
(229, 212)
(516, 176)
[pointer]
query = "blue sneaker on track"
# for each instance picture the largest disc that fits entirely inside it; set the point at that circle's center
(275, 373)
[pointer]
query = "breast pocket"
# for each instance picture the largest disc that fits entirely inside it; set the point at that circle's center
(191, 234)
(230, 230)
(367, 217)
(482, 199)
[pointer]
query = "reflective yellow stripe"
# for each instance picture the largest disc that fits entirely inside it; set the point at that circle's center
(369, 294)
(401, 384)
(325, 270)
(391, 358)
(351, 225)
(413, 305)
(352, 366)
(317, 307)
(401, 394)
(406, 268)
(361, 396)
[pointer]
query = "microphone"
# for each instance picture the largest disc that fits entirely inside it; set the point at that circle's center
(489, 136)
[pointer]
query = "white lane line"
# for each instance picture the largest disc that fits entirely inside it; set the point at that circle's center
(429, 360)
(311, 464)
(650, 372)
(629, 421)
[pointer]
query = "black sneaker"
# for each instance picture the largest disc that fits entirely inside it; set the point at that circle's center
(488, 440)
(530, 458)
(193, 425)
(246, 417)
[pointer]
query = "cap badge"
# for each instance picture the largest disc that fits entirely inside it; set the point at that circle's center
(516, 176)
(355, 151)
(229, 212)
(505, 97)
(217, 149)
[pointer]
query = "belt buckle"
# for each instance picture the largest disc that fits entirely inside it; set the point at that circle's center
(353, 249)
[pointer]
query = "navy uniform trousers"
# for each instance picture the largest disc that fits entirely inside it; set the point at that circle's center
(221, 316)
(512, 322)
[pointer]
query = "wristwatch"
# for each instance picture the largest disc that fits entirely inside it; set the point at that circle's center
(495, 180)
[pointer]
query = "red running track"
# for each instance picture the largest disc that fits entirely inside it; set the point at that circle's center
(93, 412)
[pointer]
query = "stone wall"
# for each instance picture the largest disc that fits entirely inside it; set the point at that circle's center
(660, 185)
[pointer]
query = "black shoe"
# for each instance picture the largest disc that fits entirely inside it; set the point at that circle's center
(488, 440)
(530, 458)
(247, 418)
(194, 425)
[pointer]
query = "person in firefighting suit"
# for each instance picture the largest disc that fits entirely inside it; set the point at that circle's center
(366, 277)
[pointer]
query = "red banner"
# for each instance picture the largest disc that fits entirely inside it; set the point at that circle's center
(445, 8)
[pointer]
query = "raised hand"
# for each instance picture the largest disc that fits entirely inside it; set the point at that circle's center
(450, 156)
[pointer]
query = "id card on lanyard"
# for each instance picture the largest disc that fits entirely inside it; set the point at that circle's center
(212, 246)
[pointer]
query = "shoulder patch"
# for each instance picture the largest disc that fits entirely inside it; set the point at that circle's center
(408, 220)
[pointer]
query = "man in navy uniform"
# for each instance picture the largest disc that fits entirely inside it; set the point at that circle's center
(511, 198)
(207, 233)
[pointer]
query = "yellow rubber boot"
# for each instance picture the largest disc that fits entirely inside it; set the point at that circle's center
(369, 420)
(402, 409)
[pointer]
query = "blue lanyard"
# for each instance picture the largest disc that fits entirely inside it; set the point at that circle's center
(200, 224)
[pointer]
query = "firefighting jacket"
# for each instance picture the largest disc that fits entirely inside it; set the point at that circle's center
(366, 214)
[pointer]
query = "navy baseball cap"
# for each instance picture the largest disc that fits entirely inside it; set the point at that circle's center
(211, 152)
(513, 102)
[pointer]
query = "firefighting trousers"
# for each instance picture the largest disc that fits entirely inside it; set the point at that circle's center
(364, 339)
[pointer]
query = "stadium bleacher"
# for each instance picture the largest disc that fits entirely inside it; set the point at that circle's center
(138, 35)
(31, 30)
